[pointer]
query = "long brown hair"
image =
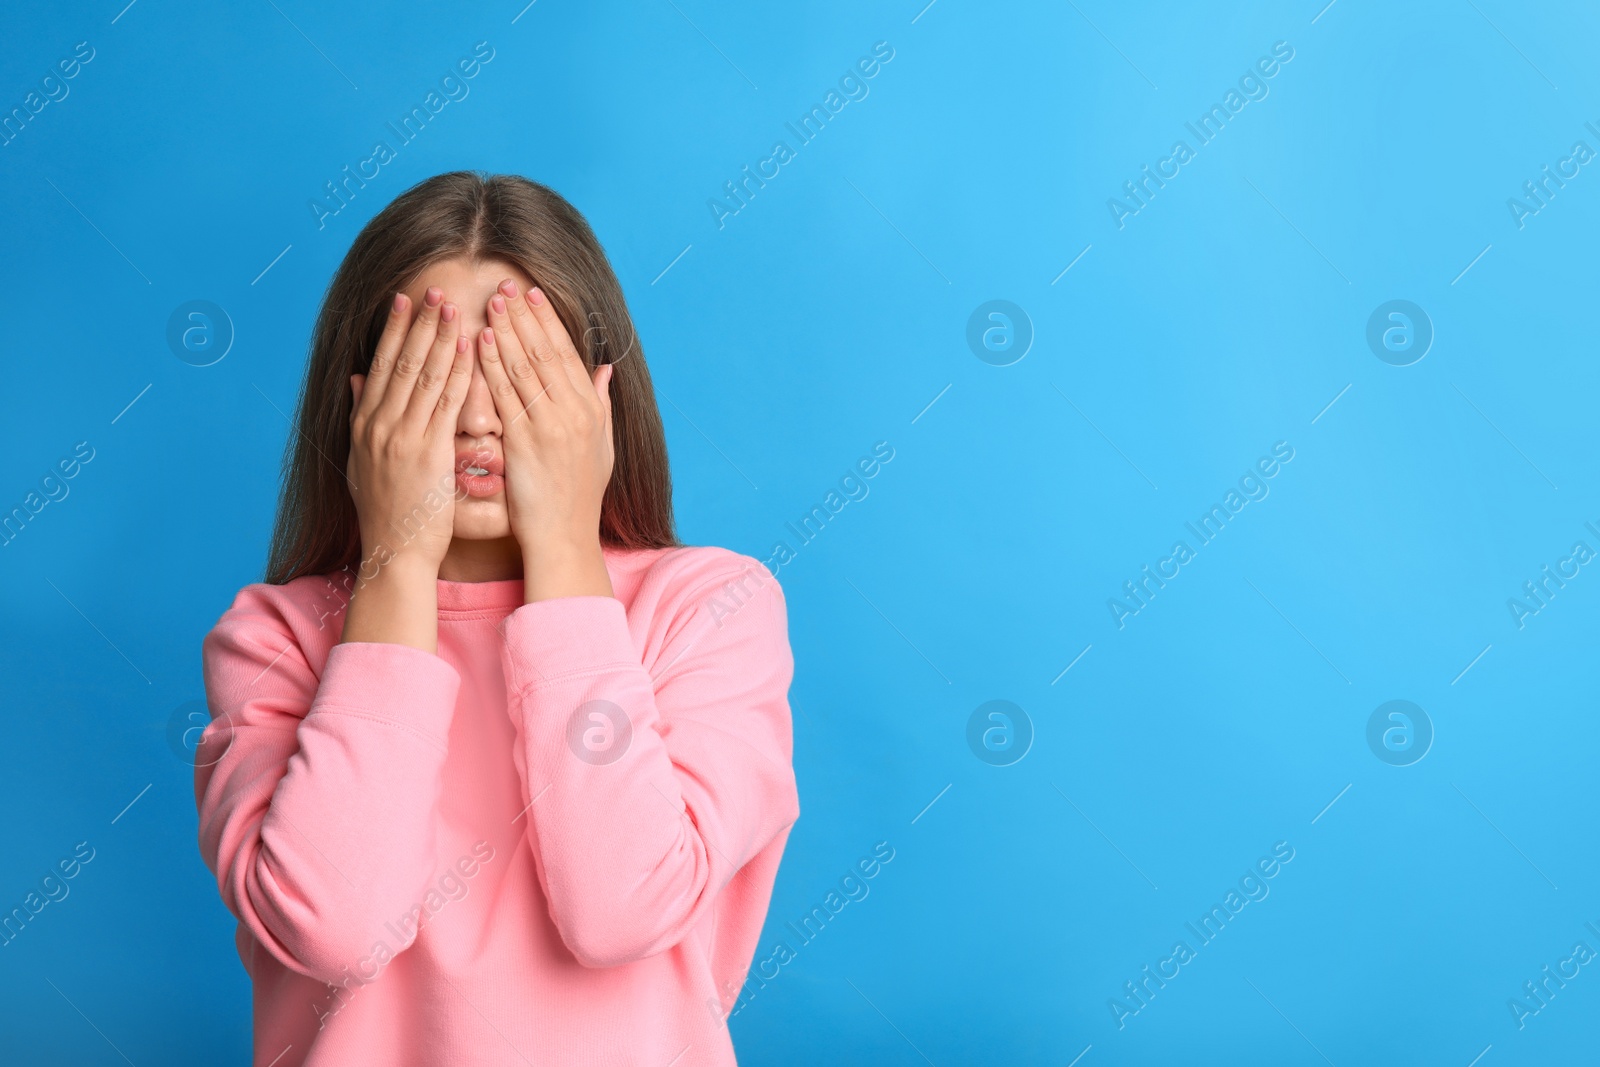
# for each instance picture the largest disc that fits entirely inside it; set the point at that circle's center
(477, 217)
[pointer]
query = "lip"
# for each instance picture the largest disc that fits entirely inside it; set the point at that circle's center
(480, 457)
(480, 485)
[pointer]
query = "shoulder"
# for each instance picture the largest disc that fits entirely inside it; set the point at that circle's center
(670, 592)
(696, 573)
(307, 612)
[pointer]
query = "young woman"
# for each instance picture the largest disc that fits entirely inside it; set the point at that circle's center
(498, 772)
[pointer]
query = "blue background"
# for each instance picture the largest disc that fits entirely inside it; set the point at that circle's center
(824, 317)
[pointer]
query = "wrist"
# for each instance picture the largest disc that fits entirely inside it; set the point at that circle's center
(394, 602)
(382, 567)
(564, 566)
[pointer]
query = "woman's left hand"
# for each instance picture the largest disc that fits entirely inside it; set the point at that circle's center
(556, 431)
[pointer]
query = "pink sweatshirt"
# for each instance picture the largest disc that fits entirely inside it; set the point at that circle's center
(553, 842)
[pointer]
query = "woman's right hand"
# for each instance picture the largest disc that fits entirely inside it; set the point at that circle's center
(401, 469)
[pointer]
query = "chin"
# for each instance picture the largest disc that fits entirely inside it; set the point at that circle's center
(481, 520)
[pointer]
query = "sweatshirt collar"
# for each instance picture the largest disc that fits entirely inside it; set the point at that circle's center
(470, 598)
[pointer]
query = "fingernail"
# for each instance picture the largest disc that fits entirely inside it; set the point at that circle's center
(508, 287)
(433, 295)
(488, 335)
(399, 301)
(498, 304)
(461, 345)
(535, 295)
(449, 313)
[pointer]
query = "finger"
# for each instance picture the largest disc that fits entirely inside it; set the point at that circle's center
(544, 313)
(508, 402)
(413, 354)
(447, 410)
(436, 368)
(358, 383)
(383, 357)
(537, 344)
(515, 363)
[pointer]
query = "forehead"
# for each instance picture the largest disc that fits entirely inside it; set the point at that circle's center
(465, 282)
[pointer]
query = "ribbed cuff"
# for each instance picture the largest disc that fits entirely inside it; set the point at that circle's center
(395, 683)
(558, 638)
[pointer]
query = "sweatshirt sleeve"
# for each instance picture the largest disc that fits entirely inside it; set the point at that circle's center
(316, 795)
(649, 790)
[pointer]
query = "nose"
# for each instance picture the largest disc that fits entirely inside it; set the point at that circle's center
(478, 416)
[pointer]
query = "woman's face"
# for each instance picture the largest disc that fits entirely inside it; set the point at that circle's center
(480, 512)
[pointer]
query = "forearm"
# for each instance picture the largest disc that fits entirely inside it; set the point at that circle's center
(623, 864)
(318, 815)
(656, 782)
(399, 605)
(347, 840)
